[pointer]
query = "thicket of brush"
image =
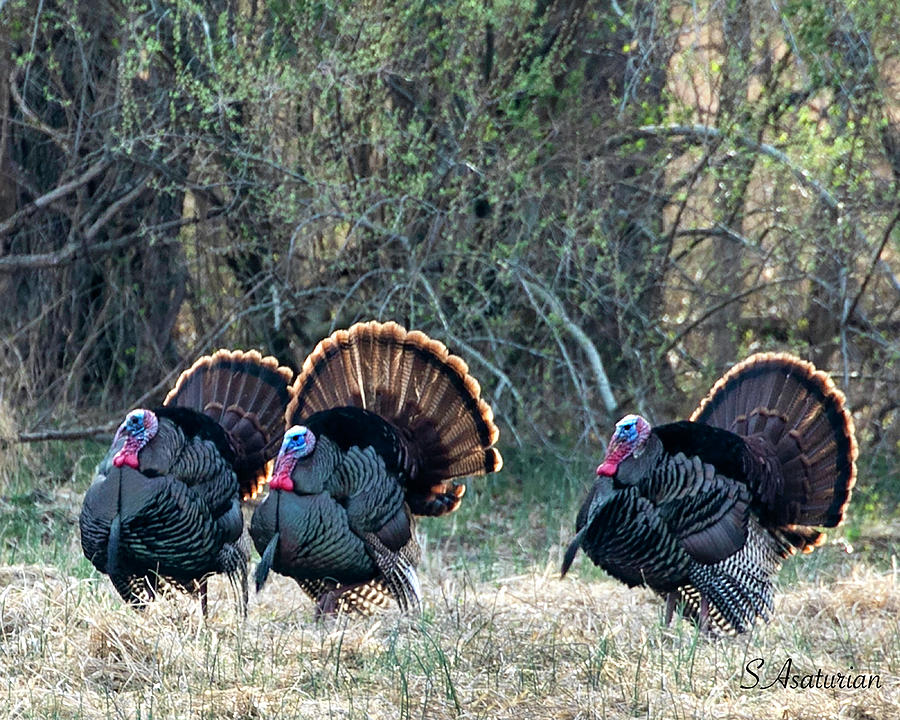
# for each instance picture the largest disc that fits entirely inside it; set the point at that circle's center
(599, 206)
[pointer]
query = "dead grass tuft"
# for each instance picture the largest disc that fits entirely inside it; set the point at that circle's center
(525, 645)
(491, 642)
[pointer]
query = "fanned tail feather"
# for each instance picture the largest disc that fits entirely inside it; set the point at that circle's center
(246, 394)
(798, 537)
(784, 406)
(414, 383)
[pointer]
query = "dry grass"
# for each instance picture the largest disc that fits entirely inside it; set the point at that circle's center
(523, 646)
(500, 636)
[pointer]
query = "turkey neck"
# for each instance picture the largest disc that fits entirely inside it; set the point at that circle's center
(638, 470)
(319, 472)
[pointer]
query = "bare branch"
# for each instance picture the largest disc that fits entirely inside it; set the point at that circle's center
(128, 197)
(66, 255)
(32, 117)
(44, 200)
(876, 257)
(603, 384)
(725, 303)
(580, 388)
(97, 432)
(705, 132)
(464, 345)
(75, 250)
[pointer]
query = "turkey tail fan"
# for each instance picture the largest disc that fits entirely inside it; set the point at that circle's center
(782, 403)
(414, 383)
(246, 394)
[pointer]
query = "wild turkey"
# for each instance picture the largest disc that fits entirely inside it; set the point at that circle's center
(703, 511)
(389, 419)
(164, 509)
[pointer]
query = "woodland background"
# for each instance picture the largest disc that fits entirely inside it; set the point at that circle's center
(599, 205)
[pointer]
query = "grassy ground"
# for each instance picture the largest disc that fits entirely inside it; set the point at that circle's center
(500, 636)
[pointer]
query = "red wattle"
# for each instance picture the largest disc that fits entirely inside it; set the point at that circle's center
(282, 481)
(125, 458)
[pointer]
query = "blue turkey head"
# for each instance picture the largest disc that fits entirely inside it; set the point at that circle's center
(138, 428)
(628, 440)
(299, 442)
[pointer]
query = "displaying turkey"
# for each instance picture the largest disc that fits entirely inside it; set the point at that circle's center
(389, 419)
(164, 509)
(703, 511)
